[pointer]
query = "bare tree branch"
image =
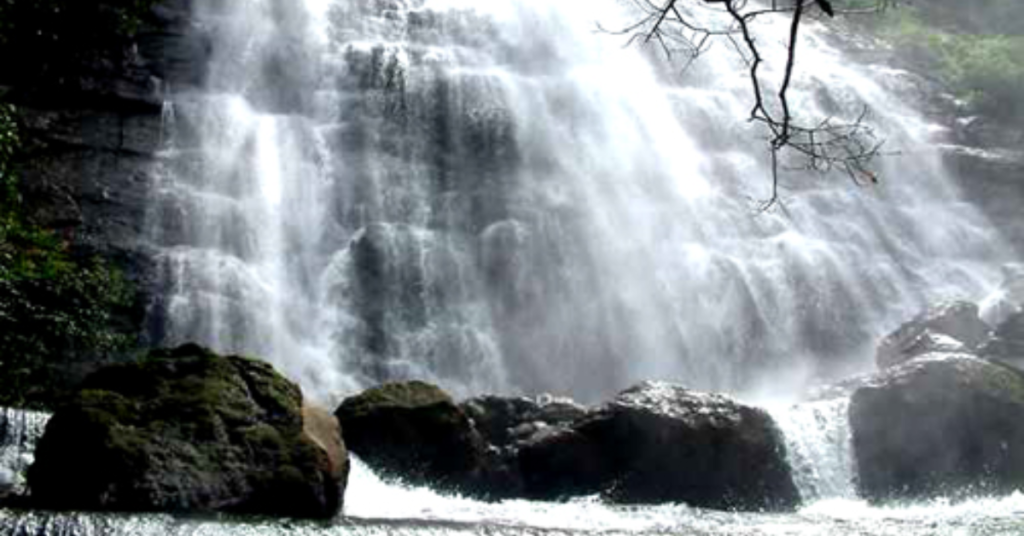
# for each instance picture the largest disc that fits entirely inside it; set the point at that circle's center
(824, 146)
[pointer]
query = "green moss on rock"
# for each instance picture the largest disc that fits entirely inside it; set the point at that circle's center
(414, 431)
(407, 395)
(186, 430)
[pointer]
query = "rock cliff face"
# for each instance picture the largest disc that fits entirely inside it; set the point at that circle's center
(989, 165)
(92, 132)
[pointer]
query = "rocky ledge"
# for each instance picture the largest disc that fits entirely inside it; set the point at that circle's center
(188, 431)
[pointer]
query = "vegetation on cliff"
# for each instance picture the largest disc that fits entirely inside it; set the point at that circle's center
(975, 49)
(56, 308)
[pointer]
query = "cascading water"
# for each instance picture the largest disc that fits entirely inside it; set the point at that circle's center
(499, 198)
(19, 431)
(819, 447)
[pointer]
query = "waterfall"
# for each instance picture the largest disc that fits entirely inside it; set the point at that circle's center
(19, 431)
(819, 447)
(497, 197)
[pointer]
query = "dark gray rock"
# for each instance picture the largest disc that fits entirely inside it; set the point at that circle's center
(657, 443)
(932, 331)
(940, 425)
(1007, 341)
(505, 422)
(92, 127)
(990, 172)
(414, 431)
(188, 431)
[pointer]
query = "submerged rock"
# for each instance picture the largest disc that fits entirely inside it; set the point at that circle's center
(941, 424)
(658, 443)
(944, 327)
(185, 431)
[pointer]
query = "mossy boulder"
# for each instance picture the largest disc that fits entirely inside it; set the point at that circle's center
(940, 425)
(189, 431)
(658, 443)
(416, 432)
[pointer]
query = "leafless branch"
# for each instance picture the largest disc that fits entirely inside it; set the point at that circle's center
(824, 146)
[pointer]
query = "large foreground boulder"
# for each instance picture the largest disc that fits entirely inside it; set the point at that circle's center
(416, 432)
(939, 425)
(948, 327)
(658, 443)
(189, 431)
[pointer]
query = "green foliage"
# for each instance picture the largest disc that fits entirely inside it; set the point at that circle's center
(984, 69)
(988, 71)
(53, 307)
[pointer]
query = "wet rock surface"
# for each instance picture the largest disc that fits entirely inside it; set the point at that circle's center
(1007, 342)
(507, 422)
(416, 432)
(654, 443)
(92, 126)
(953, 326)
(658, 443)
(940, 425)
(188, 431)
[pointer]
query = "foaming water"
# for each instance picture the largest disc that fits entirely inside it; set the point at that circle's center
(497, 197)
(373, 498)
(398, 510)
